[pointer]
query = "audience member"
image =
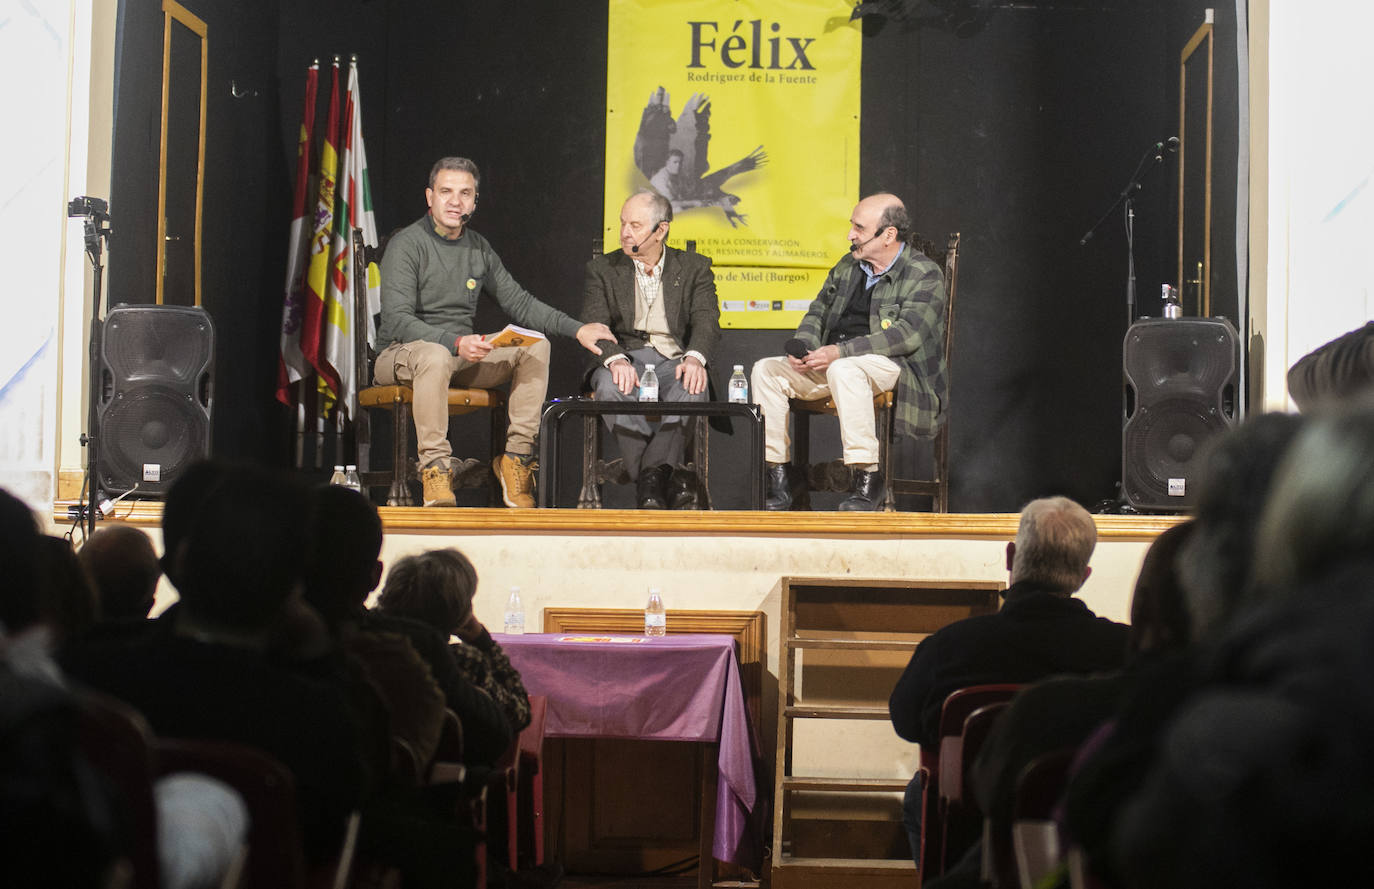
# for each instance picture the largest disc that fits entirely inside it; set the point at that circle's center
(1256, 778)
(124, 570)
(1041, 630)
(437, 588)
(1216, 569)
(69, 599)
(341, 570)
(56, 829)
(205, 671)
(1336, 370)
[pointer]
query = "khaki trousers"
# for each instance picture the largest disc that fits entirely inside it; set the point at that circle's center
(851, 382)
(431, 369)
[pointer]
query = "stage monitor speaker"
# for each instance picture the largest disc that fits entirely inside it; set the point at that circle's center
(156, 366)
(1181, 390)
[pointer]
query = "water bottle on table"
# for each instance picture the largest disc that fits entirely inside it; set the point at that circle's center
(655, 618)
(515, 613)
(351, 479)
(339, 477)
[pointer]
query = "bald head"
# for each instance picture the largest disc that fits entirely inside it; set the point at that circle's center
(125, 570)
(643, 225)
(1053, 544)
(878, 228)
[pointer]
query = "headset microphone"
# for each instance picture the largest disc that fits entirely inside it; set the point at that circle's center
(634, 248)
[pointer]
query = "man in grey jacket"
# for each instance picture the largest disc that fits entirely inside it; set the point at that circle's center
(432, 274)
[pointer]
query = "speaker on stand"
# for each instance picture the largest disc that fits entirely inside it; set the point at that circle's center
(156, 395)
(1181, 390)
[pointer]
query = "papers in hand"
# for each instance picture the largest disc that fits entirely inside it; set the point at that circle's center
(514, 335)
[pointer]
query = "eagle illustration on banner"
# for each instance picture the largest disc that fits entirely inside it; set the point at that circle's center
(672, 154)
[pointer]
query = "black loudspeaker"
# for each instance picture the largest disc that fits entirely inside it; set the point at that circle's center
(156, 364)
(1181, 385)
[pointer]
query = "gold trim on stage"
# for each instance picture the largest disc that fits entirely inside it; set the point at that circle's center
(737, 523)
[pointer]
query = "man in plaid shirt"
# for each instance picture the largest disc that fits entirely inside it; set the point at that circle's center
(878, 323)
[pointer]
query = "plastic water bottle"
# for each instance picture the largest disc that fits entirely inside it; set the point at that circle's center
(515, 613)
(648, 384)
(339, 477)
(351, 479)
(738, 387)
(655, 618)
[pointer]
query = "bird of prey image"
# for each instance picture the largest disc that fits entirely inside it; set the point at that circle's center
(672, 154)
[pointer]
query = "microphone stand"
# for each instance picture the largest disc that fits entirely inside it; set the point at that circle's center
(97, 227)
(1153, 156)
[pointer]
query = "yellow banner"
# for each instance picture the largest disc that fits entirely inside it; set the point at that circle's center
(745, 114)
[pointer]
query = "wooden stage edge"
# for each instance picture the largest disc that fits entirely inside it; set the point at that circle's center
(736, 523)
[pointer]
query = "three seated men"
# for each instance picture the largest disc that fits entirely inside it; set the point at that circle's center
(876, 325)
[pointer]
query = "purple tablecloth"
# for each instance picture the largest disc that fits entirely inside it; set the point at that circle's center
(673, 688)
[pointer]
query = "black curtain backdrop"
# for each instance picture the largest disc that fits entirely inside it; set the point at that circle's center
(1018, 136)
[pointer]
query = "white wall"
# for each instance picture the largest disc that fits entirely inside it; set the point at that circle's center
(1320, 179)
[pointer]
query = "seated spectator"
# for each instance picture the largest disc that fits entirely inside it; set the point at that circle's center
(205, 672)
(437, 588)
(124, 569)
(1041, 630)
(1339, 369)
(1216, 570)
(1257, 778)
(341, 570)
(69, 600)
(412, 829)
(60, 825)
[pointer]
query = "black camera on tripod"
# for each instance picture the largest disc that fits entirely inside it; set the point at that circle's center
(93, 208)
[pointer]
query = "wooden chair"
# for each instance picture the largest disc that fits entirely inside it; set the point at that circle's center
(942, 761)
(531, 838)
(276, 855)
(597, 472)
(398, 398)
(117, 742)
(834, 476)
(1034, 836)
(961, 821)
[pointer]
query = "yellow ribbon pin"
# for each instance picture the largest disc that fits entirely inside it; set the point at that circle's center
(886, 323)
(472, 283)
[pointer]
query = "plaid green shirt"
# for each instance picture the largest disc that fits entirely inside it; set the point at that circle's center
(907, 318)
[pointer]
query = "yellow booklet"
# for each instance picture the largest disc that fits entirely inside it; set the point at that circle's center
(514, 335)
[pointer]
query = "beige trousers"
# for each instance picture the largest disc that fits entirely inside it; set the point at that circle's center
(430, 369)
(851, 382)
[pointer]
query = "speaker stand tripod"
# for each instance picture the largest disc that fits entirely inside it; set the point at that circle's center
(1153, 157)
(97, 227)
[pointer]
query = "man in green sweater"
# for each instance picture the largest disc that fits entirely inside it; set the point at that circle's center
(432, 273)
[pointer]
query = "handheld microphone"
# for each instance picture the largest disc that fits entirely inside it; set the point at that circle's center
(1171, 144)
(635, 247)
(796, 348)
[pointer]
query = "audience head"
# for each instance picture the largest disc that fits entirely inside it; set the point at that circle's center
(69, 600)
(1320, 512)
(124, 569)
(20, 594)
(185, 499)
(1053, 544)
(1216, 563)
(1159, 614)
(346, 538)
(242, 553)
(435, 587)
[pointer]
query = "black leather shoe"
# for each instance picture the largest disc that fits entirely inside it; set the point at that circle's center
(649, 487)
(867, 493)
(682, 489)
(779, 487)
